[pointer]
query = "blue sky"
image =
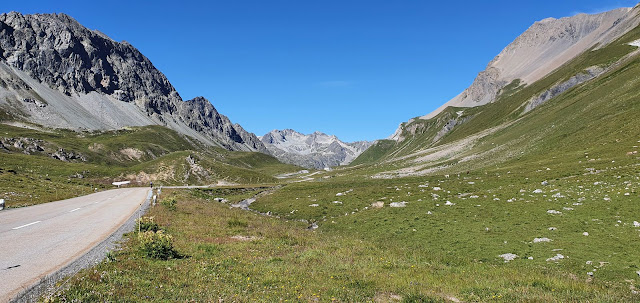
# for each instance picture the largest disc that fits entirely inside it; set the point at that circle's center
(353, 68)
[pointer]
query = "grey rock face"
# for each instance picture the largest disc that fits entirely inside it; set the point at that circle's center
(25, 145)
(316, 150)
(29, 146)
(449, 126)
(560, 88)
(55, 50)
(68, 156)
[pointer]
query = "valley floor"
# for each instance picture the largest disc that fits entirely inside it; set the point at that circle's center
(479, 237)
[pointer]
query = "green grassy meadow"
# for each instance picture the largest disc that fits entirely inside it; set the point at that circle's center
(427, 251)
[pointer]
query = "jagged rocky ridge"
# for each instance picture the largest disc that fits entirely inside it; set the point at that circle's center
(57, 73)
(316, 150)
(545, 46)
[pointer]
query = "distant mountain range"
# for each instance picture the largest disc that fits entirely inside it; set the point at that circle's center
(316, 150)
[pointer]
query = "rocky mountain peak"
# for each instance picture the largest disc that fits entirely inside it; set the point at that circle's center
(542, 48)
(91, 81)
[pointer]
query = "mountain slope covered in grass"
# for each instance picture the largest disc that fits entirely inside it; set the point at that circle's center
(571, 111)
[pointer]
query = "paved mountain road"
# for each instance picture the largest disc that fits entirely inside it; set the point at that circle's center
(38, 240)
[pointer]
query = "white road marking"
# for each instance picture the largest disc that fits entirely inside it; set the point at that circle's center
(74, 209)
(19, 227)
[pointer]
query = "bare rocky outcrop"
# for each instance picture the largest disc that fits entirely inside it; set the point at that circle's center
(68, 76)
(560, 88)
(131, 153)
(68, 156)
(449, 126)
(26, 146)
(30, 146)
(316, 150)
(195, 170)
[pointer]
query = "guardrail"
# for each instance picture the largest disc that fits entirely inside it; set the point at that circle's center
(47, 285)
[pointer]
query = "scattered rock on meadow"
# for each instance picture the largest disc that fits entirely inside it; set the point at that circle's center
(378, 204)
(508, 257)
(398, 204)
(539, 240)
(556, 258)
(245, 238)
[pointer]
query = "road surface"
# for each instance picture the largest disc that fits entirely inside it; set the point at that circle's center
(38, 240)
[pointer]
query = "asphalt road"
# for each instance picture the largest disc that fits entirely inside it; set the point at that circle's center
(38, 240)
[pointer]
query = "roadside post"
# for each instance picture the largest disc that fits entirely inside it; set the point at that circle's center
(1, 204)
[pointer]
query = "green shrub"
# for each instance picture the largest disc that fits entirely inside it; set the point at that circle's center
(147, 224)
(169, 203)
(157, 245)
